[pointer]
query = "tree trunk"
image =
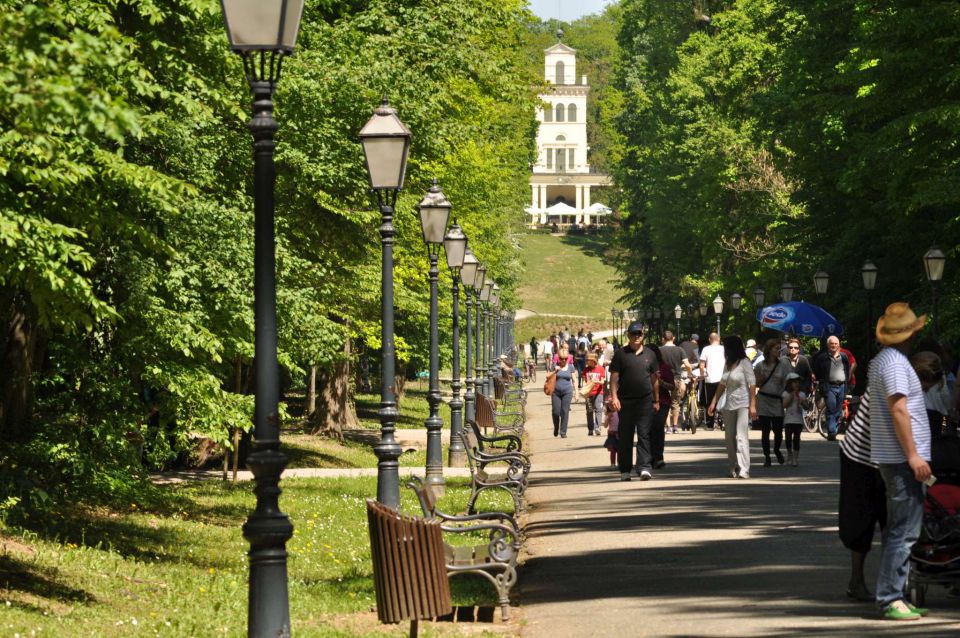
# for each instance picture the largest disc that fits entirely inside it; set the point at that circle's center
(21, 354)
(311, 393)
(334, 410)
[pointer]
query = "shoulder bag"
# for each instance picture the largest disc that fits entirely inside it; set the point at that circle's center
(550, 384)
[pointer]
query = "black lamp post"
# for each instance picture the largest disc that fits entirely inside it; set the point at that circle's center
(703, 315)
(479, 285)
(434, 215)
(386, 141)
(933, 262)
(487, 341)
(736, 301)
(786, 291)
(869, 274)
(691, 318)
(718, 310)
(263, 35)
(455, 247)
(759, 296)
(467, 275)
(678, 313)
(494, 369)
(821, 281)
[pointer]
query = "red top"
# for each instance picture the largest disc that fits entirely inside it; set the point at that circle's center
(595, 374)
(853, 361)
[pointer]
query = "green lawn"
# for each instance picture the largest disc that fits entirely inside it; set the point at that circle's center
(182, 571)
(566, 275)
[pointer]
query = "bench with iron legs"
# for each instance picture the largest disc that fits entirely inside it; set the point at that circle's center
(488, 418)
(409, 566)
(497, 443)
(495, 559)
(514, 470)
(509, 393)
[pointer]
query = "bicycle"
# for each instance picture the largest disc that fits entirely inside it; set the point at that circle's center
(815, 418)
(690, 410)
(530, 371)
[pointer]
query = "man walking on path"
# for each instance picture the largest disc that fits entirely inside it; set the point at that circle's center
(832, 369)
(635, 391)
(900, 446)
(673, 355)
(712, 361)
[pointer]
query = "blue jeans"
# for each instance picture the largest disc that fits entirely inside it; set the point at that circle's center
(904, 519)
(834, 395)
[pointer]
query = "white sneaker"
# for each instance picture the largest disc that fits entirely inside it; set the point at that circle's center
(645, 475)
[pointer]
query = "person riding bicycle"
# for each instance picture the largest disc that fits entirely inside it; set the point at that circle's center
(832, 370)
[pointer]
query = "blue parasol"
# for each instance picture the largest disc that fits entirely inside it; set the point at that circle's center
(799, 318)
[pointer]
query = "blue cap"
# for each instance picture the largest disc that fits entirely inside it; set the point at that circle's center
(636, 326)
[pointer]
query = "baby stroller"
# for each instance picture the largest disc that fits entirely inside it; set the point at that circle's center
(935, 559)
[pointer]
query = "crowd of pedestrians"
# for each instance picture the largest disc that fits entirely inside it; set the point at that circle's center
(636, 392)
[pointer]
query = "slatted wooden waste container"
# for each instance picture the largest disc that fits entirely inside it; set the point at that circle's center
(409, 573)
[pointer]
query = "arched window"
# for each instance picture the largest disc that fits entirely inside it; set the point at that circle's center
(561, 138)
(559, 73)
(572, 113)
(560, 112)
(548, 114)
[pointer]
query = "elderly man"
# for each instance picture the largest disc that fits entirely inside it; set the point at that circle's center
(900, 446)
(832, 369)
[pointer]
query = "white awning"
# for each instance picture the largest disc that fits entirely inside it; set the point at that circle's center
(560, 208)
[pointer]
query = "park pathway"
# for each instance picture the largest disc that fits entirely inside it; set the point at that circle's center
(690, 553)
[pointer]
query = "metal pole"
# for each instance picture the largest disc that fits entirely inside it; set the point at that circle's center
(494, 368)
(469, 406)
(870, 336)
(433, 423)
(718, 325)
(267, 528)
(936, 313)
(456, 457)
(478, 387)
(387, 449)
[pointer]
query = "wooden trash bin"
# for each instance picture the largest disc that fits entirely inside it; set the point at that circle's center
(409, 571)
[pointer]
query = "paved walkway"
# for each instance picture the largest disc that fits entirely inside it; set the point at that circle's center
(690, 553)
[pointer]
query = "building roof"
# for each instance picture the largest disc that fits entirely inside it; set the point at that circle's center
(559, 47)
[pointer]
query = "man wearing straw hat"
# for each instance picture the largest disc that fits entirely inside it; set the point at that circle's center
(900, 446)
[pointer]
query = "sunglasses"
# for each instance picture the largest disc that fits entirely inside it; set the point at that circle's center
(634, 335)
(792, 348)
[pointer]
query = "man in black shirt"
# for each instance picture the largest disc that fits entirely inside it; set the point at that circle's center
(674, 357)
(635, 391)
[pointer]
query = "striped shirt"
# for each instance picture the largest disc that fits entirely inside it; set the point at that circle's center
(891, 374)
(856, 440)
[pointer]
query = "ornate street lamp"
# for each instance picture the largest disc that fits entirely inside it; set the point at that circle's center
(786, 291)
(933, 262)
(468, 275)
(434, 214)
(718, 309)
(759, 296)
(487, 341)
(736, 301)
(869, 273)
(821, 280)
(692, 317)
(677, 313)
(263, 34)
(386, 141)
(455, 247)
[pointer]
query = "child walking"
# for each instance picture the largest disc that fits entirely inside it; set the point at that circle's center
(793, 396)
(612, 423)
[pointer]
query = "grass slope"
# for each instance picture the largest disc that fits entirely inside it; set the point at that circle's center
(566, 275)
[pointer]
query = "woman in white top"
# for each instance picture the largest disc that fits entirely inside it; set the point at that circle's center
(736, 396)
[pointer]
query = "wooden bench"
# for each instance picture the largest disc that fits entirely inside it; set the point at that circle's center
(409, 566)
(488, 418)
(515, 468)
(495, 560)
(507, 395)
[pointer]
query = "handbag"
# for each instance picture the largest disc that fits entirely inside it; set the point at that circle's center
(550, 384)
(587, 389)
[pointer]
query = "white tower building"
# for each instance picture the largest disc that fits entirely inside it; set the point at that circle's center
(561, 180)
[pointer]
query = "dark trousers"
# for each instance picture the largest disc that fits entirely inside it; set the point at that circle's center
(793, 435)
(863, 504)
(768, 423)
(709, 390)
(657, 439)
(636, 417)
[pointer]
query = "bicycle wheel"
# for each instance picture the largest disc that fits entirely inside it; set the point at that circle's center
(693, 412)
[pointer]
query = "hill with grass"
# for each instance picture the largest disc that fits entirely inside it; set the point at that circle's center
(569, 281)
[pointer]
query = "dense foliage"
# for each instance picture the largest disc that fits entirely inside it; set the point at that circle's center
(774, 139)
(126, 218)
